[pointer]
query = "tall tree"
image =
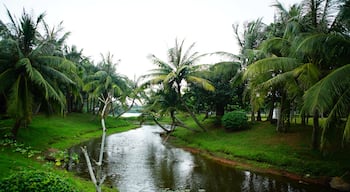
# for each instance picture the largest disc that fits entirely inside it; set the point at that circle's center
(310, 48)
(30, 75)
(107, 81)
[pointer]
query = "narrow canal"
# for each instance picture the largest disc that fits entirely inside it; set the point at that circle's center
(137, 160)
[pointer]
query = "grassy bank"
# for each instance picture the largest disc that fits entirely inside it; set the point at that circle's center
(262, 147)
(52, 132)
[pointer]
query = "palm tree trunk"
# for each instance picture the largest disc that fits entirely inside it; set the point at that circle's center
(315, 132)
(303, 119)
(15, 128)
(258, 117)
(219, 109)
(252, 116)
(187, 108)
(280, 116)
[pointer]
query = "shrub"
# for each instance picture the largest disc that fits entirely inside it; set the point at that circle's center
(35, 181)
(235, 120)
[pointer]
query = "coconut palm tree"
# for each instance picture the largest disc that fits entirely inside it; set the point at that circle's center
(30, 76)
(180, 69)
(312, 52)
(106, 81)
(331, 94)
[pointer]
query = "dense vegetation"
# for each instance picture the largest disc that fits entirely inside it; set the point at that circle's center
(294, 68)
(35, 181)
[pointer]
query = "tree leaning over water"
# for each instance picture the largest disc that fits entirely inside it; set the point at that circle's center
(180, 69)
(30, 74)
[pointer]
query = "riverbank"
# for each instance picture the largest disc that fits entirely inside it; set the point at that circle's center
(57, 133)
(262, 149)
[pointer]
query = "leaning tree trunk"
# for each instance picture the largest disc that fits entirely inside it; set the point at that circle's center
(194, 118)
(315, 132)
(188, 109)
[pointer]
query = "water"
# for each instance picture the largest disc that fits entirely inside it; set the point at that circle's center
(131, 114)
(137, 160)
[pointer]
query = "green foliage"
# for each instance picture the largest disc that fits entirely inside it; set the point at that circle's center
(27, 151)
(62, 158)
(35, 181)
(235, 120)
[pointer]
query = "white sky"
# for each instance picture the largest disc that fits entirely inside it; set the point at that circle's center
(133, 29)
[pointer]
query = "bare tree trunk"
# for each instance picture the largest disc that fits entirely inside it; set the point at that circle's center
(128, 109)
(98, 178)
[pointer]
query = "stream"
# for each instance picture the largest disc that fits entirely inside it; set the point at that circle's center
(138, 161)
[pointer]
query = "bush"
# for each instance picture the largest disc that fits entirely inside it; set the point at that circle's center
(235, 120)
(35, 181)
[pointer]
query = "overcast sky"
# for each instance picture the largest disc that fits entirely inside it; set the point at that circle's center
(133, 29)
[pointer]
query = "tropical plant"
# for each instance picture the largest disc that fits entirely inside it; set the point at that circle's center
(31, 76)
(310, 48)
(181, 69)
(106, 81)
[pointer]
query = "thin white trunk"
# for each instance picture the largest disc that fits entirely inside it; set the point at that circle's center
(98, 181)
(102, 142)
(88, 162)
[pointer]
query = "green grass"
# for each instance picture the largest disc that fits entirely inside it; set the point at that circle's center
(264, 147)
(54, 132)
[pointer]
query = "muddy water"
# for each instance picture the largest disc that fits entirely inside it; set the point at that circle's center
(137, 160)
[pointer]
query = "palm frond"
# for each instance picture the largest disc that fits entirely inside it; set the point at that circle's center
(322, 95)
(271, 64)
(229, 56)
(207, 85)
(5, 79)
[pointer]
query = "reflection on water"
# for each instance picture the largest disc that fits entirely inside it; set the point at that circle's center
(137, 160)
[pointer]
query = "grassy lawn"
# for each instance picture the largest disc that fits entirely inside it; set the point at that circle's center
(264, 147)
(53, 132)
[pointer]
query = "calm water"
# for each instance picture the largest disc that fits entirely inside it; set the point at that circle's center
(137, 160)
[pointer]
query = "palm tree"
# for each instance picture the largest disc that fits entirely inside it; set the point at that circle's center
(107, 82)
(181, 68)
(308, 50)
(332, 95)
(30, 76)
